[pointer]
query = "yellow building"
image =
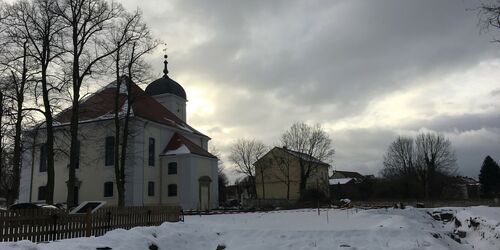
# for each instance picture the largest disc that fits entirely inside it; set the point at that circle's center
(277, 174)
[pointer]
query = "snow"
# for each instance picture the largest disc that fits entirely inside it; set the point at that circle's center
(349, 229)
(182, 126)
(340, 181)
(179, 151)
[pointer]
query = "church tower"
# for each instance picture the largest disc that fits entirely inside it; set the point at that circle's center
(169, 93)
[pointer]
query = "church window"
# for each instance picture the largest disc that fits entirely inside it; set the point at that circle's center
(43, 158)
(41, 193)
(151, 153)
(151, 188)
(110, 151)
(108, 189)
(172, 190)
(172, 168)
(77, 160)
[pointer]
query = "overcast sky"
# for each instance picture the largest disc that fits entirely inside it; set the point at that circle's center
(367, 70)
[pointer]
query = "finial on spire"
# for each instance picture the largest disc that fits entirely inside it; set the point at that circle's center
(165, 69)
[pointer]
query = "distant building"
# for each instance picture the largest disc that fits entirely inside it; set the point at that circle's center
(355, 176)
(461, 187)
(346, 184)
(167, 163)
(282, 166)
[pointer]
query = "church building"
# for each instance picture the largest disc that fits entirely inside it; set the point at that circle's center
(167, 161)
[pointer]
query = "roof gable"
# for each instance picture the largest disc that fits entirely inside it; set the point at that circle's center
(295, 154)
(179, 144)
(100, 106)
(304, 156)
(337, 174)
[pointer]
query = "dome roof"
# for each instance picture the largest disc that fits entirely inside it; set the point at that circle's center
(165, 85)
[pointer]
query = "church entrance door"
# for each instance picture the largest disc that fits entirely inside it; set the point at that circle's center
(204, 198)
(204, 193)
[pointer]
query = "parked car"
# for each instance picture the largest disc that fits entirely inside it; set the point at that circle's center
(27, 205)
(232, 203)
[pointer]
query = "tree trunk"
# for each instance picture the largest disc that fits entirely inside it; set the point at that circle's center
(263, 189)
(125, 142)
(16, 160)
(74, 120)
(1, 144)
(303, 181)
(49, 144)
(117, 161)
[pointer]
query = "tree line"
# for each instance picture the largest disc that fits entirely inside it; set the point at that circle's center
(419, 164)
(52, 53)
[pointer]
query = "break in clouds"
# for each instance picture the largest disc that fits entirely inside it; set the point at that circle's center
(367, 70)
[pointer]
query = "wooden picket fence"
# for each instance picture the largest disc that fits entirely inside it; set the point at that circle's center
(40, 225)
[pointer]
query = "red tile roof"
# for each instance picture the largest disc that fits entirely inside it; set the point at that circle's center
(97, 105)
(178, 141)
(102, 103)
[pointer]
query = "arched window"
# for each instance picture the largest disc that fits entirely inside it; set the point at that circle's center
(41, 193)
(151, 188)
(172, 168)
(172, 190)
(151, 152)
(108, 189)
(43, 158)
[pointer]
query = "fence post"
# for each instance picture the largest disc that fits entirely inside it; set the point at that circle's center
(109, 220)
(88, 223)
(149, 217)
(54, 226)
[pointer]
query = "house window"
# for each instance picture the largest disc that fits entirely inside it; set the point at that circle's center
(41, 193)
(43, 158)
(151, 188)
(110, 151)
(108, 189)
(172, 190)
(172, 168)
(151, 155)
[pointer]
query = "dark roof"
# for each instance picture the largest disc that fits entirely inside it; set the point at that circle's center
(298, 155)
(97, 105)
(304, 156)
(165, 85)
(177, 141)
(100, 106)
(349, 174)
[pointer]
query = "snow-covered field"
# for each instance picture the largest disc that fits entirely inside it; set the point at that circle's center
(303, 229)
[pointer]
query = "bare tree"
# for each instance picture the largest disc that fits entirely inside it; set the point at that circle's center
(36, 24)
(133, 40)
(400, 162)
(489, 15)
(400, 157)
(419, 160)
(88, 22)
(434, 155)
(313, 143)
(244, 153)
(2, 133)
(221, 175)
(20, 64)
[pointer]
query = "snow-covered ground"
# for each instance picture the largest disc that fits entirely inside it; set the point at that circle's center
(303, 229)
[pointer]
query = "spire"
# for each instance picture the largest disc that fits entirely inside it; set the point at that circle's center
(165, 70)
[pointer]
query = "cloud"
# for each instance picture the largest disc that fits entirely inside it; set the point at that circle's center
(367, 70)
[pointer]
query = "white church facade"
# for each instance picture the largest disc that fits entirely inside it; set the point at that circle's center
(168, 162)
